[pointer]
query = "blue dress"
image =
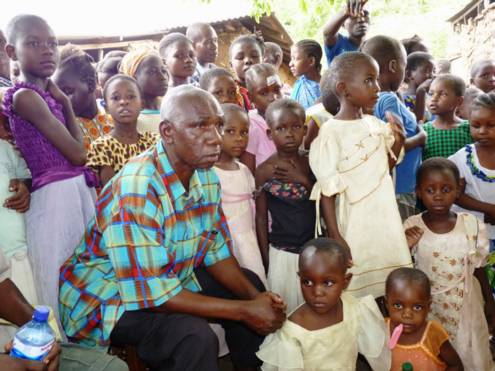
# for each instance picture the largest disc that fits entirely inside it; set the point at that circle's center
(306, 91)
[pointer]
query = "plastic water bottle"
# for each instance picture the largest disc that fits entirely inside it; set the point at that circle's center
(35, 339)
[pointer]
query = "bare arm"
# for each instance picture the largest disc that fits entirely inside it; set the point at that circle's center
(312, 133)
(327, 205)
(470, 203)
(418, 140)
(249, 160)
(31, 107)
(106, 173)
(449, 355)
(332, 27)
(14, 307)
(262, 218)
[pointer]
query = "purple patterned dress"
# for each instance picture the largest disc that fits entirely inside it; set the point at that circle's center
(62, 198)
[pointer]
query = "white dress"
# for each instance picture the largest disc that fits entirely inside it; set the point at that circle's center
(349, 159)
(238, 207)
(477, 187)
(332, 348)
(449, 260)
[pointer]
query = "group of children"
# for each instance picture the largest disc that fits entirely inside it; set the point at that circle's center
(400, 174)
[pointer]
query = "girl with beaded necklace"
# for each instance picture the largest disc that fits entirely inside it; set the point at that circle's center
(476, 163)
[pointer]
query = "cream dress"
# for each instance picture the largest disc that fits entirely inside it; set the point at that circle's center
(332, 348)
(349, 159)
(449, 260)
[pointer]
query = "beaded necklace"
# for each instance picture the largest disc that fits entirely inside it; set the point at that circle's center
(474, 169)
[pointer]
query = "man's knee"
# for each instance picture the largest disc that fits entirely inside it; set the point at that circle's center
(254, 279)
(197, 334)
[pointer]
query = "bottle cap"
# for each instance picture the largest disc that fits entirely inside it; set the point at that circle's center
(407, 366)
(41, 313)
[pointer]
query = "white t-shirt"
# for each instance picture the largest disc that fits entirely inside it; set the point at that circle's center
(476, 187)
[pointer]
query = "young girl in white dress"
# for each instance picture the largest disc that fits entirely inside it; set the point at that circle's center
(476, 163)
(351, 159)
(237, 184)
(327, 331)
(451, 249)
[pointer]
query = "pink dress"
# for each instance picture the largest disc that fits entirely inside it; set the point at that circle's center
(259, 144)
(237, 203)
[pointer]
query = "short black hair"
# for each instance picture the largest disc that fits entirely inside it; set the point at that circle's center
(14, 26)
(79, 62)
(247, 39)
(437, 164)
(418, 59)
(478, 64)
(414, 44)
(410, 275)
(328, 246)
(120, 76)
(284, 104)
(170, 39)
(228, 108)
(454, 82)
(312, 49)
(194, 31)
(342, 68)
(485, 100)
(254, 70)
(383, 49)
(209, 75)
(271, 47)
(112, 58)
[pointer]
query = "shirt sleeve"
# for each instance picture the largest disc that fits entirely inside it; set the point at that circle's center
(99, 154)
(390, 103)
(332, 51)
(217, 242)
(144, 267)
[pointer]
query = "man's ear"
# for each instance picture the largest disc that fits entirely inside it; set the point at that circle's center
(10, 50)
(348, 277)
(166, 130)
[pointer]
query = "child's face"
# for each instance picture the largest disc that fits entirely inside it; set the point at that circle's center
(80, 93)
(271, 56)
(235, 133)
(123, 101)
(243, 56)
(152, 76)
(408, 304)
(438, 190)
(287, 130)
(36, 50)
(322, 281)
(422, 73)
(482, 126)
(361, 90)
(224, 89)
(181, 59)
(484, 78)
(300, 62)
(207, 46)
(463, 111)
(266, 89)
(442, 98)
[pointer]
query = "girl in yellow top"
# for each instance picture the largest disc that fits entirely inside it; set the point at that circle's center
(107, 155)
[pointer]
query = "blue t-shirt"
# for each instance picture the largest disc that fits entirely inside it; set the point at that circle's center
(406, 170)
(343, 44)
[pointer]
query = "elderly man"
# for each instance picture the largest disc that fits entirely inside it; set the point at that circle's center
(155, 261)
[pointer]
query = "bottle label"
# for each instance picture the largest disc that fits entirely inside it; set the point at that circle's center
(33, 353)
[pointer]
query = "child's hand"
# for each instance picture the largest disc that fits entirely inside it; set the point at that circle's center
(56, 93)
(396, 126)
(290, 174)
(355, 8)
(425, 86)
(413, 235)
(20, 200)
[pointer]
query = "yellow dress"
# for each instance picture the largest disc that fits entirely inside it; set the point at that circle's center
(349, 159)
(332, 348)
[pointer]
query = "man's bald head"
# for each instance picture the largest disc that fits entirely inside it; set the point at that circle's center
(184, 100)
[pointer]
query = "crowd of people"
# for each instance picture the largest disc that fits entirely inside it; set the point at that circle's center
(158, 201)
